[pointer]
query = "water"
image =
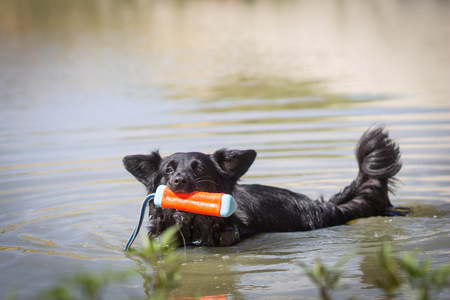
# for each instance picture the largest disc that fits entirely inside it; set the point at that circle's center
(84, 83)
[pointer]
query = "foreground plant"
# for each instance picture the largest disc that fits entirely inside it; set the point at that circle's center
(407, 272)
(161, 270)
(325, 278)
(85, 285)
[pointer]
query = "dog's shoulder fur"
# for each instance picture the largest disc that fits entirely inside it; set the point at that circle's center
(263, 208)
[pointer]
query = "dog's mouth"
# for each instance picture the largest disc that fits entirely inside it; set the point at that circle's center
(184, 190)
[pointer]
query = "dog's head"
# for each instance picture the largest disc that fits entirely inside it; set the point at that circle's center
(191, 171)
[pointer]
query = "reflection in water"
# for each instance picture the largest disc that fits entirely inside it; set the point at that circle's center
(241, 95)
(83, 83)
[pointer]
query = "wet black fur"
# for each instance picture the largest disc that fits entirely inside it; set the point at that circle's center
(264, 208)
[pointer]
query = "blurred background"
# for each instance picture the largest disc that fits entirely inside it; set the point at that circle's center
(84, 83)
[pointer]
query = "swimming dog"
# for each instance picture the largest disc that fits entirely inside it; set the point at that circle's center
(263, 208)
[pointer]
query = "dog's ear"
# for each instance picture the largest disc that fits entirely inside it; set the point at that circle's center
(143, 167)
(234, 162)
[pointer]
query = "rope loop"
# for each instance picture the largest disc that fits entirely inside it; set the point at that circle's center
(141, 219)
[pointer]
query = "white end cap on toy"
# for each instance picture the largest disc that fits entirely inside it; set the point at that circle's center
(159, 195)
(228, 206)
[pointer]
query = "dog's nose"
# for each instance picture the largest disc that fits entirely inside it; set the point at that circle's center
(180, 182)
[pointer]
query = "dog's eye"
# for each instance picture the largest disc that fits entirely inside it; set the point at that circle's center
(169, 170)
(196, 168)
(200, 170)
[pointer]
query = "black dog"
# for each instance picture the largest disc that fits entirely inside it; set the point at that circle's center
(263, 208)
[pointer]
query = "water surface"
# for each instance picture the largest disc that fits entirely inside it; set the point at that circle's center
(84, 83)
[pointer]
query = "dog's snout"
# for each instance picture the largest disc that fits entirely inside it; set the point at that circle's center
(180, 179)
(180, 182)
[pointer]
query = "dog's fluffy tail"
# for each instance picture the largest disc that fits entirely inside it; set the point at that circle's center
(378, 156)
(379, 161)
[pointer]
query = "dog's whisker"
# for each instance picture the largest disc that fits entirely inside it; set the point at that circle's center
(210, 181)
(205, 179)
(184, 240)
